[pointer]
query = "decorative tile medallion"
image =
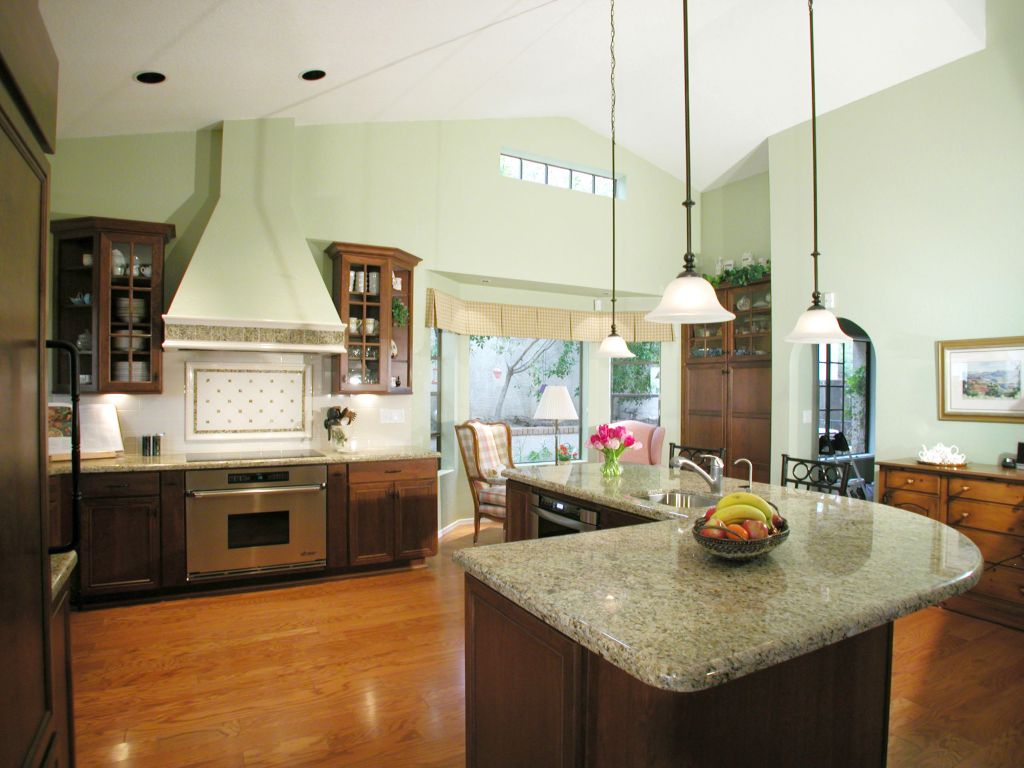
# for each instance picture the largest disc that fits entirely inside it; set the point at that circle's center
(247, 400)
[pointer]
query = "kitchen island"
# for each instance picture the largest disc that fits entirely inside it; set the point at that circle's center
(634, 646)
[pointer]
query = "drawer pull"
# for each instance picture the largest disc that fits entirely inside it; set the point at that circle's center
(392, 471)
(910, 481)
(965, 488)
(963, 516)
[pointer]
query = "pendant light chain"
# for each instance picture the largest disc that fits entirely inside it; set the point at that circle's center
(615, 180)
(688, 203)
(816, 295)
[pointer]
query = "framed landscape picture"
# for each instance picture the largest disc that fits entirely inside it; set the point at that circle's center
(981, 379)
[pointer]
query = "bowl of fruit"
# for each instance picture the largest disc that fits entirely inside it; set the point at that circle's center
(741, 526)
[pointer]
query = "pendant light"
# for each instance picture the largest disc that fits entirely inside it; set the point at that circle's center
(816, 325)
(613, 344)
(689, 298)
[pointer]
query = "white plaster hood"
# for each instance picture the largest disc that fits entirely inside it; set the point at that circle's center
(253, 282)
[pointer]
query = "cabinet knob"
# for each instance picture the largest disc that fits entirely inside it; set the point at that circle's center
(910, 481)
(963, 516)
(965, 488)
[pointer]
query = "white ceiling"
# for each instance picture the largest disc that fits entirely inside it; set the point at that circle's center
(397, 60)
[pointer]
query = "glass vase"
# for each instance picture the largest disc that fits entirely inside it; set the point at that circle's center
(611, 466)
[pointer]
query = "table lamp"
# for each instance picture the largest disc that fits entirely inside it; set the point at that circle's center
(556, 404)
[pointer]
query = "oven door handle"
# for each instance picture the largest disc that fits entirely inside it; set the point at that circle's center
(565, 522)
(315, 488)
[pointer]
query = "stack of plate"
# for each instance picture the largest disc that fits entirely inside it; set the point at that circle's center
(136, 371)
(133, 310)
(124, 343)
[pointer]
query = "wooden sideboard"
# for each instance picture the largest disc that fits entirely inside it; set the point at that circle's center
(985, 503)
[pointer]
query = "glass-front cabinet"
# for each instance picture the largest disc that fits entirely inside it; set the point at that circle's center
(748, 337)
(373, 291)
(108, 297)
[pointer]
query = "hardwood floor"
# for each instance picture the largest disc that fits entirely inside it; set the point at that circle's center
(369, 672)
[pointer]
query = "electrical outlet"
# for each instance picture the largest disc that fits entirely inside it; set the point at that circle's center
(392, 416)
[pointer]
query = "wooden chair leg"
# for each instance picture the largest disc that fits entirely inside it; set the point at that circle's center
(476, 525)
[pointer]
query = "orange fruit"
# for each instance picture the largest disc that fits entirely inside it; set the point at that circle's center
(740, 530)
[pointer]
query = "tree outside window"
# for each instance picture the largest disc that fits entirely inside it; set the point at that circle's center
(844, 394)
(506, 377)
(636, 384)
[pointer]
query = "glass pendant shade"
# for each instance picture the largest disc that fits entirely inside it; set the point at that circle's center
(689, 299)
(614, 346)
(817, 326)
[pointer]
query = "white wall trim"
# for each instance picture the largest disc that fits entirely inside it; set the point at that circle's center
(453, 525)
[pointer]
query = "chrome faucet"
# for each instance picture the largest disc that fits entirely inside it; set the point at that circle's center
(750, 470)
(714, 480)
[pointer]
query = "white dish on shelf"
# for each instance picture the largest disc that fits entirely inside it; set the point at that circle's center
(124, 343)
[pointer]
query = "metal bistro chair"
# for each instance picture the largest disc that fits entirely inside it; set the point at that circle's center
(693, 453)
(812, 475)
(483, 459)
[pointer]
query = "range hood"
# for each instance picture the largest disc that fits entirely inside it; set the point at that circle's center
(253, 283)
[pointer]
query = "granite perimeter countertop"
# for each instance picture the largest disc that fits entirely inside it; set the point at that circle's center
(171, 461)
(61, 567)
(651, 601)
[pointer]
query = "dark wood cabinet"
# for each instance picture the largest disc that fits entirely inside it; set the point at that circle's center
(373, 290)
(524, 687)
(371, 523)
(120, 546)
(727, 381)
(108, 295)
(517, 512)
(337, 515)
(60, 661)
(392, 511)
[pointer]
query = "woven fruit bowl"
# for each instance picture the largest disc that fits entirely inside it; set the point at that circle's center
(740, 550)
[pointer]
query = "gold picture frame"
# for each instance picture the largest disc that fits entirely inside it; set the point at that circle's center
(981, 379)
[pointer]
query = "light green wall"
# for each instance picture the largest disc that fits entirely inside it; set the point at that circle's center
(921, 233)
(736, 218)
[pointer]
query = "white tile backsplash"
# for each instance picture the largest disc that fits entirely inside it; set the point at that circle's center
(165, 413)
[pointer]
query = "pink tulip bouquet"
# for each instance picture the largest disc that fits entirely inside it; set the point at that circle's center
(613, 442)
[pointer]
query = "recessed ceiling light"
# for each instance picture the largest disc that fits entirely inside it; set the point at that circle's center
(150, 78)
(314, 74)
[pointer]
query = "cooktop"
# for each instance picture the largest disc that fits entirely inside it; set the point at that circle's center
(300, 453)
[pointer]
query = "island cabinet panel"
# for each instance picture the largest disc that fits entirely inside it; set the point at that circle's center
(371, 531)
(60, 663)
(986, 504)
(337, 515)
(614, 518)
(826, 708)
(524, 687)
(517, 511)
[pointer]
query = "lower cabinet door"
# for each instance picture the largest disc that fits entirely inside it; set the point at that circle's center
(415, 518)
(371, 523)
(919, 503)
(120, 545)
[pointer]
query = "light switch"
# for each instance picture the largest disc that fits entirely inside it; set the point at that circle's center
(807, 417)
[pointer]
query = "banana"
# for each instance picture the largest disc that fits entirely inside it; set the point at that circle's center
(738, 512)
(751, 499)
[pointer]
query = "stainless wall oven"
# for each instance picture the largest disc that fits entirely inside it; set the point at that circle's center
(255, 520)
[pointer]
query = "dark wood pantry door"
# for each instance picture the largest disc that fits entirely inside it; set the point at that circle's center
(28, 81)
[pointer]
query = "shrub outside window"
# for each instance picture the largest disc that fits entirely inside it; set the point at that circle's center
(636, 384)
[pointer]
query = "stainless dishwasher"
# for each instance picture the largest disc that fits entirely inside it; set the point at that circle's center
(251, 521)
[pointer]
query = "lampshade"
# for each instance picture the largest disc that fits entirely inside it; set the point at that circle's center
(689, 299)
(817, 326)
(556, 403)
(613, 346)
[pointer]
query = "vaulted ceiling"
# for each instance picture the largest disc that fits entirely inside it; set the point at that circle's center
(400, 60)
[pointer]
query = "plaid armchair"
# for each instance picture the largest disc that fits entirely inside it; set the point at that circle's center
(486, 450)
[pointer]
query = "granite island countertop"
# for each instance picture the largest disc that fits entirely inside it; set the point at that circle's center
(61, 567)
(651, 601)
(173, 461)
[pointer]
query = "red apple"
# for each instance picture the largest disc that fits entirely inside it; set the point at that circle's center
(713, 532)
(709, 513)
(756, 529)
(777, 520)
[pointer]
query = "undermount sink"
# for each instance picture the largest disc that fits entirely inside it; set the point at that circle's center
(679, 499)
